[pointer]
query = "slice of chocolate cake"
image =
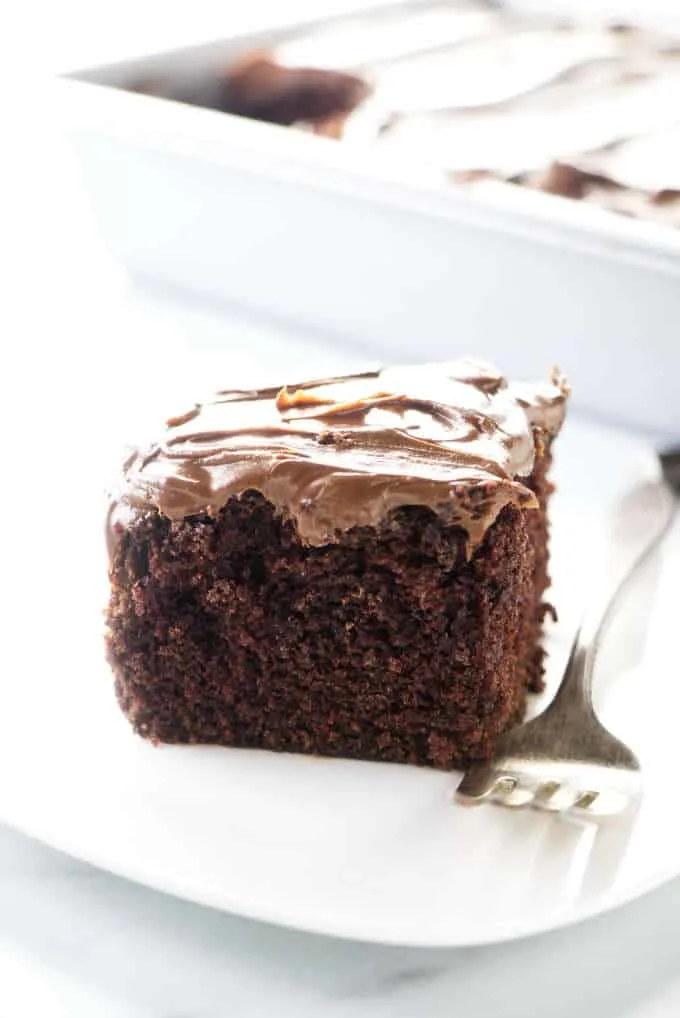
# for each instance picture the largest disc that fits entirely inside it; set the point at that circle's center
(350, 567)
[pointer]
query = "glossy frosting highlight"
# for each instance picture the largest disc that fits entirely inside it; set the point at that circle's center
(344, 452)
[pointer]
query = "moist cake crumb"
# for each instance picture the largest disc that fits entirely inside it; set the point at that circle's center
(349, 567)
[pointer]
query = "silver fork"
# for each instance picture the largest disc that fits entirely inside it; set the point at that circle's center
(565, 759)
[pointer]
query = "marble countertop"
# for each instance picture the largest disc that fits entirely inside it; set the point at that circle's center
(76, 942)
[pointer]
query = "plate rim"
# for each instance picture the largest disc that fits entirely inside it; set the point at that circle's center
(501, 933)
(163, 880)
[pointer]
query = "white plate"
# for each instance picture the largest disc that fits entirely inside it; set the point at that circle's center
(375, 852)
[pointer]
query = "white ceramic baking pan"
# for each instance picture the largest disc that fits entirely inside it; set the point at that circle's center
(384, 258)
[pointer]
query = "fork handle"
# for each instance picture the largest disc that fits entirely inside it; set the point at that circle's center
(642, 518)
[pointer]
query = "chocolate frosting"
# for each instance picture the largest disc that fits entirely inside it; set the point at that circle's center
(487, 92)
(343, 452)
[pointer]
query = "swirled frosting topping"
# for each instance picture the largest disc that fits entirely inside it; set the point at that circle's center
(344, 452)
(586, 107)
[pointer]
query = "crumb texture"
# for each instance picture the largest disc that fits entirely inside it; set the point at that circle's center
(387, 645)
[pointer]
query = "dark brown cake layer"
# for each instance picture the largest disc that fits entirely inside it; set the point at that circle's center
(259, 88)
(353, 567)
(389, 645)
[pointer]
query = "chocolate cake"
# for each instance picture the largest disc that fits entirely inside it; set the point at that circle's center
(588, 108)
(258, 87)
(350, 567)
